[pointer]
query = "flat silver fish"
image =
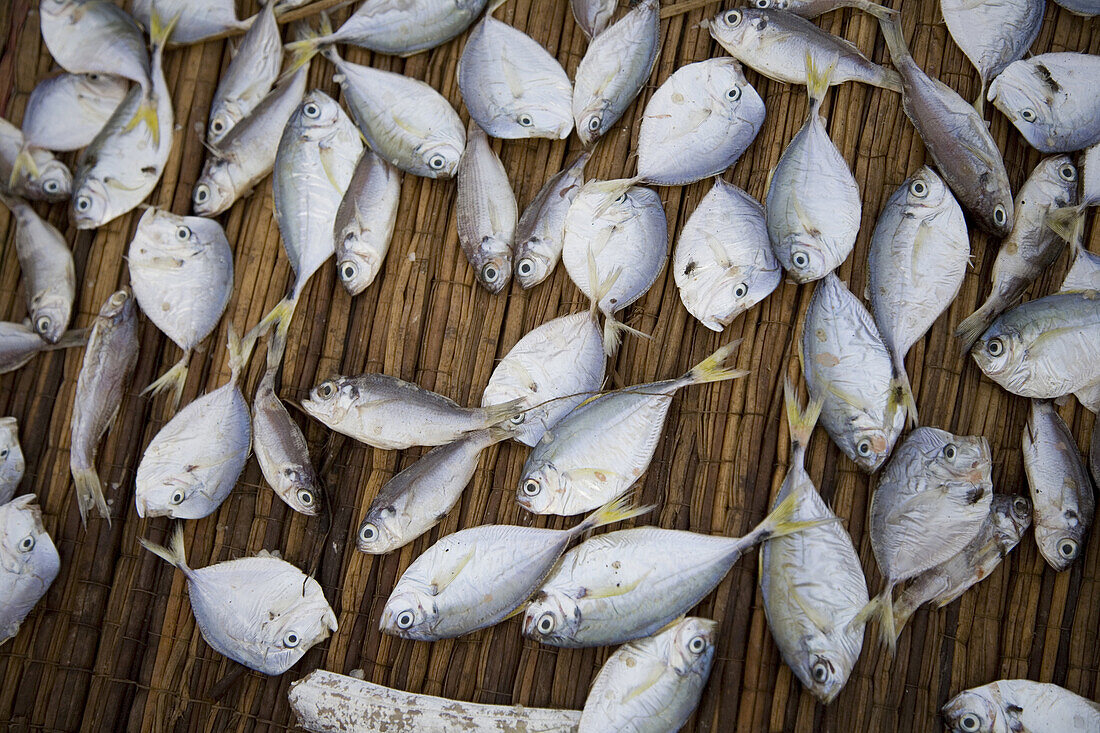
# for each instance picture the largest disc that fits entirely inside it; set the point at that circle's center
(31, 172)
(67, 111)
(28, 562)
(95, 37)
(593, 16)
(486, 212)
(1020, 705)
(198, 19)
(541, 229)
(404, 27)
(814, 8)
(19, 343)
(249, 76)
(364, 221)
(11, 459)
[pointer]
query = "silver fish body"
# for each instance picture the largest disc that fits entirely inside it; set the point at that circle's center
(67, 111)
(486, 211)
(11, 459)
(95, 37)
(1087, 8)
(46, 264)
(364, 221)
(814, 8)
(249, 77)
(1084, 272)
(1020, 705)
(198, 19)
(1051, 99)
(28, 562)
(52, 182)
(616, 65)
(541, 229)
(992, 33)
(723, 262)
(404, 28)
(698, 123)
(652, 685)
(593, 16)
(19, 343)
(105, 377)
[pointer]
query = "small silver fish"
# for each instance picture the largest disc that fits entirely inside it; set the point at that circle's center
(541, 229)
(614, 69)
(593, 16)
(652, 685)
(814, 8)
(249, 77)
(11, 459)
(67, 111)
(198, 19)
(31, 172)
(95, 37)
(104, 380)
(260, 611)
(486, 212)
(401, 27)
(1020, 705)
(19, 343)
(364, 221)
(28, 562)
(698, 123)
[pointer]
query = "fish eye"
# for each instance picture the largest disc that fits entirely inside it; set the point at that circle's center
(306, 497)
(950, 451)
(531, 487)
(594, 123)
(733, 18)
(517, 419)
(1000, 215)
(1028, 115)
(42, 324)
(918, 188)
(311, 110)
(202, 192)
(3, 454)
(27, 544)
(1067, 548)
(621, 198)
(526, 266)
(1068, 172)
(368, 533)
(436, 162)
(763, 4)
(120, 297)
(177, 497)
(970, 723)
(800, 259)
(741, 290)
(525, 120)
(183, 233)
(995, 347)
(51, 186)
(733, 94)
(83, 203)
(820, 671)
(864, 447)
(93, 77)
(1021, 507)
(405, 620)
(489, 273)
(326, 390)
(291, 639)
(546, 623)
(217, 126)
(697, 645)
(348, 271)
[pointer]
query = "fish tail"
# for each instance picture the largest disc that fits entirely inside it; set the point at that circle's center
(817, 80)
(146, 113)
(895, 40)
(174, 553)
(973, 326)
(878, 11)
(160, 31)
(493, 5)
(888, 79)
(713, 369)
(24, 162)
(979, 103)
(89, 494)
(173, 379)
(241, 351)
(618, 509)
(613, 329)
(881, 609)
(904, 389)
(801, 422)
(276, 347)
(69, 339)
(497, 414)
(1068, 222)
(781, 522)
(903, 611)
(279, 316)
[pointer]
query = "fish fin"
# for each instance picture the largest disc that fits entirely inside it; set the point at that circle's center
(279, 316)
(781, 522)
(613, 329)
(979, 103)
(809, 611)
(146, 113)
(801, 422)
(24, 161)
(493, 5)
(517, 611)
(447, 576)
(173, 379)
(174, 553)
(807, 224)
(69, 339)
(614, 591)
(874, 9)
(330, 158)
(241, 351)
(89, 494)
(1068, 222)
(895, 40)
(159, 30)
(880, 608)
(711, 369)
(309, 43)
(973, 326)
(656, 672)
(817, 80)
(616, 510)
(902, 386)
(496, 414)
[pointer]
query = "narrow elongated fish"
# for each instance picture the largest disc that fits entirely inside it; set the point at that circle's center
(486, 212)
(31, 172)
(541, 229)
(1031, 247)
(1009, 517)
(249, 77)
(814, 8)
(698, 123)
(1051, 99)
(260, 611)
(511, 85)
(1061, 488)
(403, 119)
(848, 367)
(67, 111)
(417, 499)
(600, 449)
(479, 576)
(364, 221)
(919, 252)
(623, 585)
(613, 70)
(392, 414)
(813, 206)
(593, 16)
(46, 263)
(193, 463)
(812, 581)
(956, 137)
(929, 503)
(723, 262)
(104, 379)
(1044, 348)
(11, 459)
(775, 44)
(28, 562)
(1020, 705)
(181, 270)
(198, 19)
(653, 685)
(19, 343)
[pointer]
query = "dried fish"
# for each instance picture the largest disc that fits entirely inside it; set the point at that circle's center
(11, 459)
(39, 177)
(95, 37)
(541, 229)
(249, 77)
(486, 212)
(67, 111)
(814, 8)
(19, 343)
(365, 220)
(198, 19)
(1011, 705)
(593, 16)
(28, 562)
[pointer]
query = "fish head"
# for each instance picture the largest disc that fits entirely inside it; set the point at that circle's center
(175, 497)
(1000, 353)
(491, 259)
(358, 265)
(804, 261)
(11, 453)
(53, 183)
(380, 531)
(541, 490)
(593, 121)
(409, 614)
(957, 459)
(537, 120)
(776, 4)
(551, 618)
(297, 485)
(291, 627)
(973, 711)
(738, 27)
(1056, 177)
(120, 306)
(440, 157)
(1010, 516)
(316, 117)
(176, 234)
(224, 115)
(91, 204)
(1025, 92)
(60, 9)
(532, 266)
(694, 641)
(924, 191)
(215, 191)
(26, 549)
(50, 312)
(330, 400)
(869, 447)
(1061, 541)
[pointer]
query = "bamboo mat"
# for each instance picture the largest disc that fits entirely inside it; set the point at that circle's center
(113, 645)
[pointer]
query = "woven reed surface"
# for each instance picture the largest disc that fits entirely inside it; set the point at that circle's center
(114, 646)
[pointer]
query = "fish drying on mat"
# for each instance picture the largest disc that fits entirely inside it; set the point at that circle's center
(104, 380)
(653, 685)
(31, 172)
(593, 16)
(11, 459)
(698, 123)
(364, 222)
(930, 502)
(601, 449)
(1052, 100)
(1020, 705)
(813, 206)
(95, 37)
(511, 85)
(814, 8)
(614, 69)
(480, 576)
(541, 228)
(19, 343)
(198, 19)
(194, 461)
(249, 76)
(775, 44)
(956, 137)
(1031, 247)
(67, 111)
(1062, 491)
(486, 212)
(723, 262)
(28, 562)
(260, 611)
(812, 581)
(848, 367)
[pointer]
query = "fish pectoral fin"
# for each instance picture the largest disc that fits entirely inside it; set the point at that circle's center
(442, 577)
(978, 153)
(329, 161)
(846, 397)
(813, 614)
(613, 591)
(656, 672)
(803, 219)
(923, 236)
(511, 78)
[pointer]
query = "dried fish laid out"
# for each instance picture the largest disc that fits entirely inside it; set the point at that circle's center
(1023, 705)
(249, 76)
(486, 211)
(31, 172)
(600, 449)
(66, 111)
(849, 368)
(930, 502)
(956, 137)
(28, 562)
(46, 264)
(11, 459)
(775, 44)
(814, 8)
(259, 611)
(919, 252)
(193, 462)
(104, 379)
(698, 123)
(813, 205)
(19, 343)
(364, 222)
(723, 262)
(96, 37)
(541, 228)
(614, 69)
(511, 85)
(404, 120)
(198, 19)
(1062, 491)
(1031, 247)
(593, 16)
(812, 581)
(479, 576)
(1009, 517)
(653, 684)
(1051, 99)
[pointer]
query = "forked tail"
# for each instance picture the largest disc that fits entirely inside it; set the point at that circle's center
(159, 33)
(173, 380)
(714, 368)
(881, 609)
(89, 494)
(613, 329)
(617, 510)
(174, 553)
(24, 163)
(903, 390)
(973, 326)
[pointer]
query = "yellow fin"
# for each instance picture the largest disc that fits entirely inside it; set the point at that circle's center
(712, 368)
(441, 581)
(24, 161)
(173, 379)
(801, 422)
(617, 590)
(616, 510)
(655, 673)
